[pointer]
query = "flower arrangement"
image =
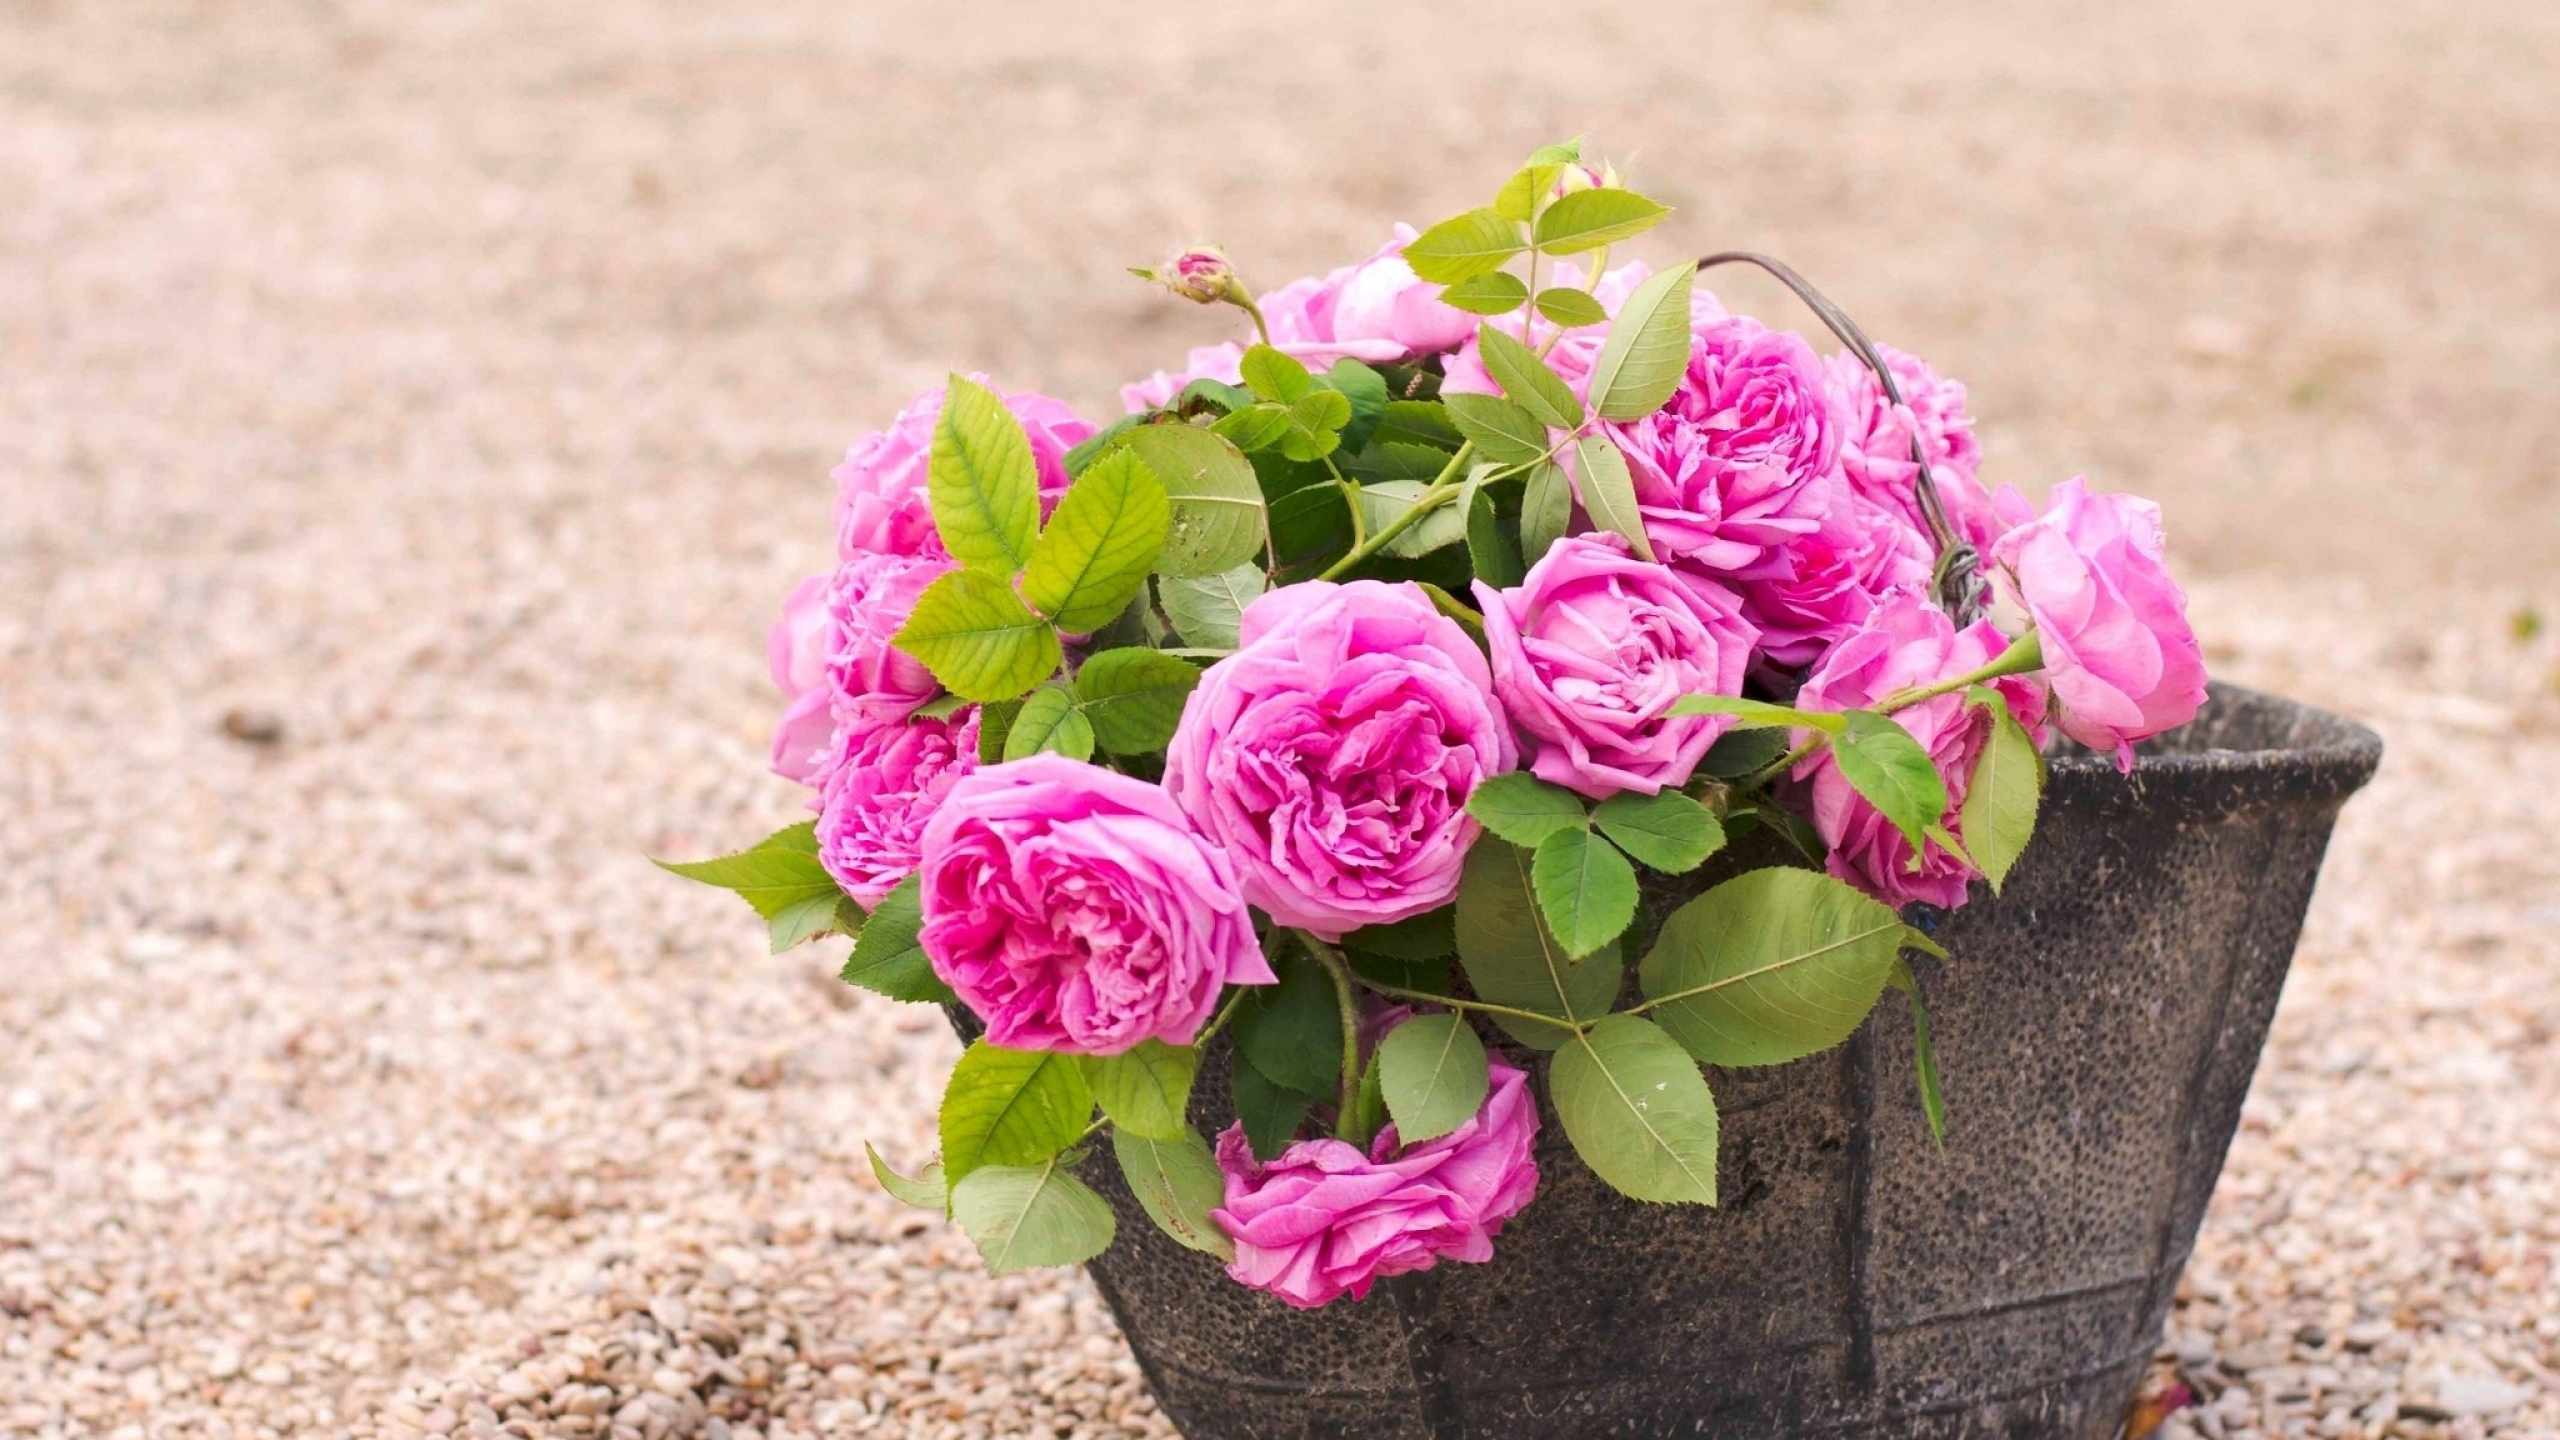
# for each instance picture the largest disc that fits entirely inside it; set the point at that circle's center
(1332, 701)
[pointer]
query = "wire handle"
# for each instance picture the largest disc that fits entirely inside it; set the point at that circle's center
(1958, 580)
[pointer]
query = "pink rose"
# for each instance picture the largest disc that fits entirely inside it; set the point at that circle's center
(2122, 658)
(1905, 643)
(868, 602)
(1576, 350)
(1876, 447)
(1591, 649)
(1324, 1220)
(881, 502)
(1375, 312)
(1728, 472)
(888, 775)
(1333, 754)
(831, 653)
(1826, 582)
(1075, 909)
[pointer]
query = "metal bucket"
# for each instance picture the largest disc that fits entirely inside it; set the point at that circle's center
(2097, 1028)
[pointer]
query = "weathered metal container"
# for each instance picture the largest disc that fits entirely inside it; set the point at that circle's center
(2097, 1027)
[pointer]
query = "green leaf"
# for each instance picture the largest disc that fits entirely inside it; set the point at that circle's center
(888, 957)
(1741, 751)
(1383, 503)
(1427, 936)
(1637, 1111)
(1546, 511)
(1275, 375)
(1177, 1182)
(2000, 801)
(1915, 938)
(1504, 433)
(1023, 1216)
(1451, 606)
(1527, 187)
(1271, 1113)
(1256, 427)
(1093, 557)
(1315, 425)
(1499, 293)
(1208, 610)
(1418, 422)
(1092, 447)
(1586, 890)
(1770, 966)
(981, 482)
(1432, 1073)
(1760, 713)
(1217, 503)
(1292, 1031)
(1570, 308)
(1431, 975)
(1609, 492)
(1590, 219)
(1147, 1089)
(1391, 460)
(1524, 809)
(806, 919)
(1495, 559)
(1888, 767)
(1464, 247)
(941, 707)
(978, 638)
(1924, 1055)
(1049, 722)
(1668, 831)
(1134, 698)
(1527, 380)
(1204, 395)
(1011, 1107)
(1648, 346)
(995, 723)
(925, 1192)
(1367, 391)
(1512, 959)
(773, 875)
(1564, 154)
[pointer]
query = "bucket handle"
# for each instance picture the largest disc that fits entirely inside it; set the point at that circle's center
(1958, 578)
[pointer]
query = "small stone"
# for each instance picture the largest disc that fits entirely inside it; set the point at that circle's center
(225, 1362)
(252, 726)
(2481, 1395)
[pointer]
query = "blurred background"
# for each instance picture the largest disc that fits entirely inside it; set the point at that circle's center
(410, 417)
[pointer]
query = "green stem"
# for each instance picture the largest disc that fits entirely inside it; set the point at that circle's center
(1346, 1122)
(1351, 499)
(1260, 326)
(1218, 1022)
(1398, 992)
(2024, 654)
(1441, 488)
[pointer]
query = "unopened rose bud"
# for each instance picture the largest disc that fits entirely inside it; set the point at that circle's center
(1578, 176)
(1201, 274)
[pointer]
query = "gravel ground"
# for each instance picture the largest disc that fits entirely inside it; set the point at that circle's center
(411, 414)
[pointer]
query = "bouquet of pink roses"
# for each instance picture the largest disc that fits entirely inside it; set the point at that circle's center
(1333, 701)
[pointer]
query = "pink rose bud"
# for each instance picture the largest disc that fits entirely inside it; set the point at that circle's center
(2123, 661)
(1324, 1220)
(1201, 274)
(1591, 650)
(1075, 909)
(1577, 176)
(1333, 754)
(1907, 642)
